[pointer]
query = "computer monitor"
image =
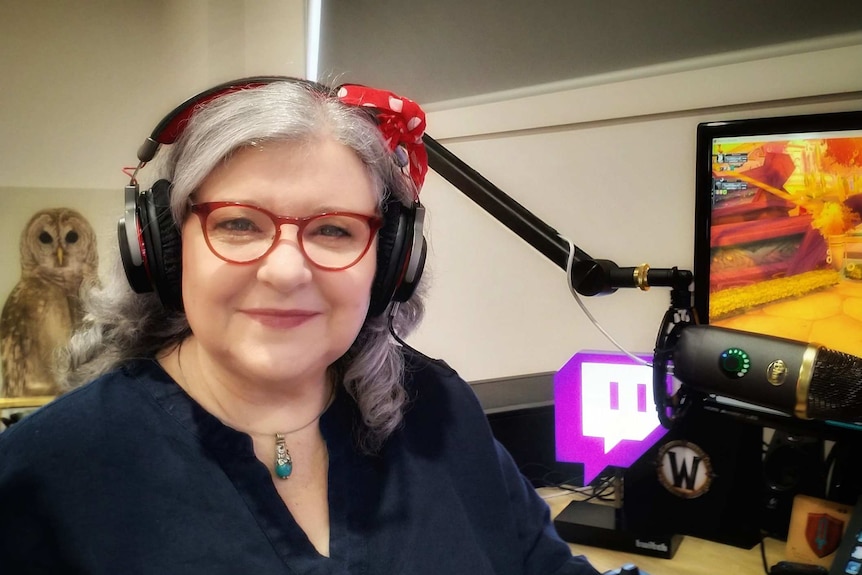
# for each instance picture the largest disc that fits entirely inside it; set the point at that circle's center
(778, 245)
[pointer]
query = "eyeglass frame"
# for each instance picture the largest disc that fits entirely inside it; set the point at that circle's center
(203, 209)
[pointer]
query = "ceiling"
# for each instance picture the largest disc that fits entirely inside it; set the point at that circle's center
(439, 50)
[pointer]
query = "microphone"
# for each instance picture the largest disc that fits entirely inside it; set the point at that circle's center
(801, 379)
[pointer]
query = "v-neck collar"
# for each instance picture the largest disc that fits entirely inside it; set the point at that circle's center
(234, 452)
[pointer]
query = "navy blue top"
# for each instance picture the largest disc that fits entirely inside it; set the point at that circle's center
(129, 475)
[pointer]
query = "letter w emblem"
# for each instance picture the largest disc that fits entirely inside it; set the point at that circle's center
(680, 473)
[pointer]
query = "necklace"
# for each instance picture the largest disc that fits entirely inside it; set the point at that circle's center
(283, 465)
(283, 461)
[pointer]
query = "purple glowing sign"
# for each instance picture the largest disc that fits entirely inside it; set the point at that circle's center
(604, 411)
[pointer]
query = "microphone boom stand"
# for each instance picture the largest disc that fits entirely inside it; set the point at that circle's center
(588, 276)
(582, 522)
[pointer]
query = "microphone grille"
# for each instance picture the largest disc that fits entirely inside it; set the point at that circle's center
(835, 391)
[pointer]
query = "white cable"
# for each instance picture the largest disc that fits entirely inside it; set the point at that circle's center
(595, 322)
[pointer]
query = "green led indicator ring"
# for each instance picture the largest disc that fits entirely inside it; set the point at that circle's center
(734, 363)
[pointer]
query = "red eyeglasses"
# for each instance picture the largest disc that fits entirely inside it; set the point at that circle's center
(241, 233)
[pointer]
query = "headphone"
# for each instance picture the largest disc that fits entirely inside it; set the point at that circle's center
(151, 247)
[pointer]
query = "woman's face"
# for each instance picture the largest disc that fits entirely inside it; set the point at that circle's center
(279, 318)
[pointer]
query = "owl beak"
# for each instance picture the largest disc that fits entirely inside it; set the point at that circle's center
(60, 255)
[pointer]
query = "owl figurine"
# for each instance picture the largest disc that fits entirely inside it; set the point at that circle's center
(58, 255)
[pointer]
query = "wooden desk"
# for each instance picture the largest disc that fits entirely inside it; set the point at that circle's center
(694, 556)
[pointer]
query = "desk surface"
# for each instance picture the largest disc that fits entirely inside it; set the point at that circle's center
(694, 556)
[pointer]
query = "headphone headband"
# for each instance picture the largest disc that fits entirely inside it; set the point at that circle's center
(169, 129)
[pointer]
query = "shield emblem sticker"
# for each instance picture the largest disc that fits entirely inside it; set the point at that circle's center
(823, 533)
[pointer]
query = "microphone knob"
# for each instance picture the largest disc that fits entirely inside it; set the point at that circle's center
(734, 362)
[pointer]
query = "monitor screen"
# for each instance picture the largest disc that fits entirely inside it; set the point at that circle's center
(778, 246)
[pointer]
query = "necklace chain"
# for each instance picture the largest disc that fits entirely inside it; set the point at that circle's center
(283, 466)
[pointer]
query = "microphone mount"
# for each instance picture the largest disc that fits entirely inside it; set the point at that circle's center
(588, 276)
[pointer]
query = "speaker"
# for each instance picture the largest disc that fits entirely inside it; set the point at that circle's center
(149, 240)
(843, 470)
(702, 479)
(792, 465)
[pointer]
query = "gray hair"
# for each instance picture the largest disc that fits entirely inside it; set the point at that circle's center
(122, 325)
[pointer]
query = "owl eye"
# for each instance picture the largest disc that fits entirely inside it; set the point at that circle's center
(45, 238)
(71, 237)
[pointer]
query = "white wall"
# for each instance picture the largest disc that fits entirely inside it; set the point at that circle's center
(608, 161)
(84, 83)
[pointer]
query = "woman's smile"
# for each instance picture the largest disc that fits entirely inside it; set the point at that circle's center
(281, 318)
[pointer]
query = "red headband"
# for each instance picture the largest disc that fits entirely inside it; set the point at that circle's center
(400, 119)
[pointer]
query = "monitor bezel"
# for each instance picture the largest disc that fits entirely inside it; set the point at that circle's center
(707, 132)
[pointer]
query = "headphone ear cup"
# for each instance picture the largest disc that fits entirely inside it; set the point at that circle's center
(162, 245)
(406, 288)
(394, 257)
(130, 241)
(390, 245)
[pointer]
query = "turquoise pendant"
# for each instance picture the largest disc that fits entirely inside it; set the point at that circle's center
(283, 462)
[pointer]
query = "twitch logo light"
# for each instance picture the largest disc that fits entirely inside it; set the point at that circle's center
(604, 411)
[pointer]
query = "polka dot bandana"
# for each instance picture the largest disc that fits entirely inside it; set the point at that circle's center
(402, 123)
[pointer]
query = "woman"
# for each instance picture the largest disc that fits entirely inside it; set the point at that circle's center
(256, 416)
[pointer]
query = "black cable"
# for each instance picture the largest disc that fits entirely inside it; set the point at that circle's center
(763, 554)
(393, 310)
